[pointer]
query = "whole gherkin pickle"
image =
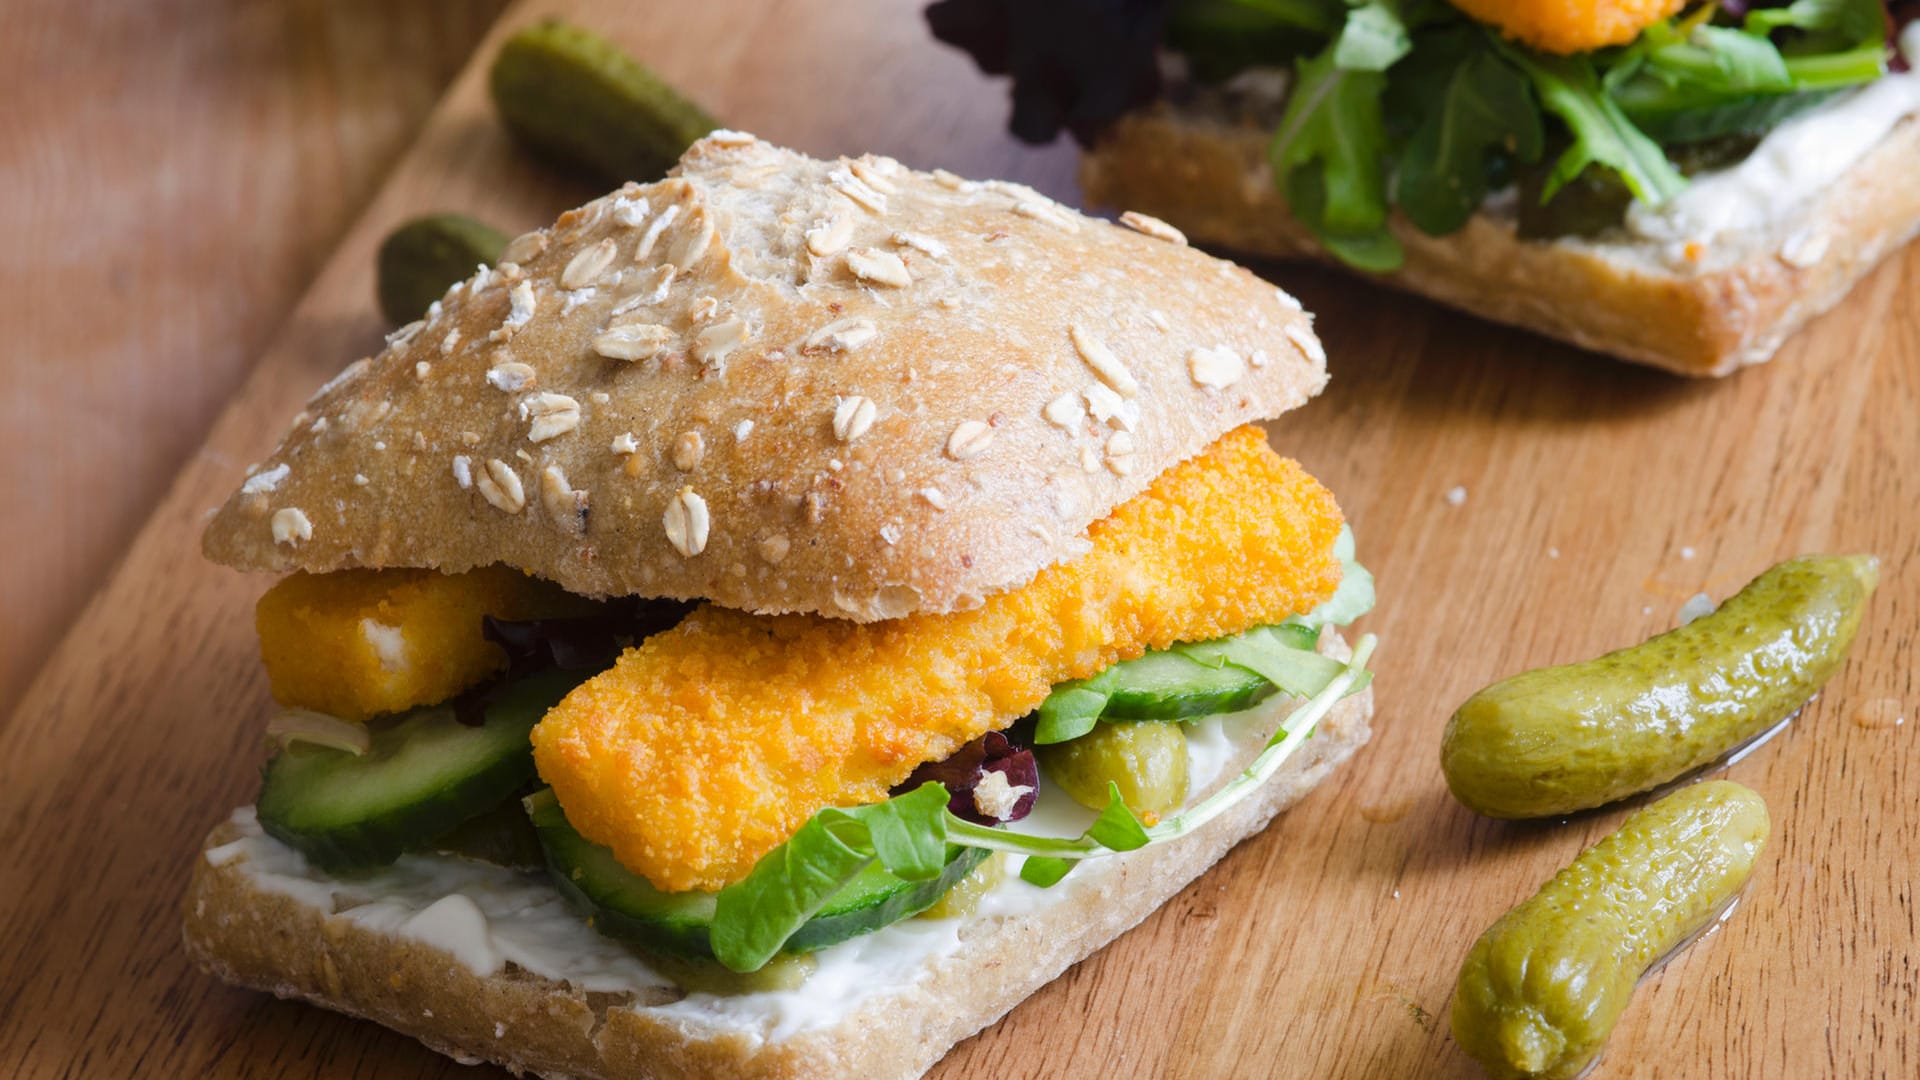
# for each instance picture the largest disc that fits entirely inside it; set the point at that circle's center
(421, 258)
(570, 94)
(1540, 991)
(1568, 738)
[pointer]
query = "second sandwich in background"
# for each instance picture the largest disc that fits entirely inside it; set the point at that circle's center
(1676, 183)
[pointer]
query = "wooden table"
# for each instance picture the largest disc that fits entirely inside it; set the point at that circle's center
(1597, 499)
(171, 175)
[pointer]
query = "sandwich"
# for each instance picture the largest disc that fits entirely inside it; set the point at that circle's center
(774, 621)
(1671, 182)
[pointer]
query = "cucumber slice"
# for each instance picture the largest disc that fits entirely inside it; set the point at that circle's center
(623, 905)
(1182, 683)
(425, 774)
(1169, 686)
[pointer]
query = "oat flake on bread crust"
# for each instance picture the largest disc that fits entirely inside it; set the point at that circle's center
(738, 307)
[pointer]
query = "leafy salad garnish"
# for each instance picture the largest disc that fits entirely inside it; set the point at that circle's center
(910, 835)
(1412, 105)
(1430, 118)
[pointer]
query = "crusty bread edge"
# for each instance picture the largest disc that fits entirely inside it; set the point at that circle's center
(268, 941)
(1209, 176)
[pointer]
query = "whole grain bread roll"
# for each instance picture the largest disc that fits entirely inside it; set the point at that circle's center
(784, 385)
(1200, 161)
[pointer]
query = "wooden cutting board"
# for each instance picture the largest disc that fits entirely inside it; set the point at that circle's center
(1589, 500)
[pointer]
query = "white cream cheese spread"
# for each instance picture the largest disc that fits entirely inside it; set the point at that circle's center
(1794, 162)
(487, 917)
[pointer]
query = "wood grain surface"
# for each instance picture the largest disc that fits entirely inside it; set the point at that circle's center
(1597, 499)
(173, 174)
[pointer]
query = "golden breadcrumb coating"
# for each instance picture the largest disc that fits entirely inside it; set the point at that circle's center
(357, 643)
(710, 744)
(1571, 26)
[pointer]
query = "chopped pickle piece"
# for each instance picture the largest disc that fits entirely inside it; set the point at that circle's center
(710, 744)
(358, 643)
(1145, 759)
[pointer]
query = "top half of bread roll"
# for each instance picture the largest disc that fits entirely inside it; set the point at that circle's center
(783, 385)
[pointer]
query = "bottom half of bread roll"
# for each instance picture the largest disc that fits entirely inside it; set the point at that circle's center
(485, 963)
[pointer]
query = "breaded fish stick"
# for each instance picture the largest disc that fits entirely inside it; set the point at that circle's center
(710, 744)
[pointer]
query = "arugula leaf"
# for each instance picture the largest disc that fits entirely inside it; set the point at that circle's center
(1045, 870)
(1329, 157)
(1745, 63)
(1116, 827)
(1602, 134)
(1856, 20)
(754, 917)
(1486, 108)
(908, 832)
(1071, 710)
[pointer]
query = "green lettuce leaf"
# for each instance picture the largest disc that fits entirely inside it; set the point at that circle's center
(1116, 828)
(1352, 599)
(1045, 870)
(1272, 654)
(1854, 20)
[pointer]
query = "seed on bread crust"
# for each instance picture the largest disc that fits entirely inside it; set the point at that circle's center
(1215, 368)
(632, 341)
(688, 449)
(879, 268)
(290, 526)
(686, 522)
(1152, 226)
(1101, 359)
(843, 334)
(585, 268)
(852, 416)
(831, 236)
(969, 440)
(500, 485)
(553, 415)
